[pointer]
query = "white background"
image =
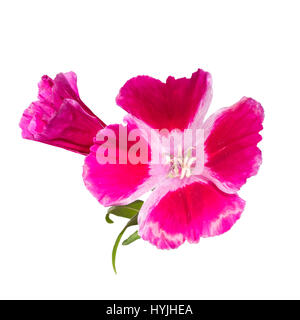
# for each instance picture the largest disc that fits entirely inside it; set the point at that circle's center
(54, 241)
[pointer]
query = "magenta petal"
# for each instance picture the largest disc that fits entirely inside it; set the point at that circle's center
(169, 217)
(116, 183)
(60, 118)
(45, 89)
(66, 84)
(171, 105)
(71, 128)
(231, 149)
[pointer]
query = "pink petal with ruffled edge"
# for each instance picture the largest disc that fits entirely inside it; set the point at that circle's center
(45, 89)
(171, 105)
(116, 183)
(232, 134)
(60, 118)
(172, 215)
(66, 84)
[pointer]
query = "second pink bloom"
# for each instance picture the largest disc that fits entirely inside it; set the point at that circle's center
(59, 117)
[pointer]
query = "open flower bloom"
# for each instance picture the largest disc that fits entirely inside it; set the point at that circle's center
(59, 117)
(186, 203)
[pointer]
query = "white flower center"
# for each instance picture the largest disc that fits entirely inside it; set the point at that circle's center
(181, 165)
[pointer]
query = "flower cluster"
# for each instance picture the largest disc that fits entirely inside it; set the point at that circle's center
(192, 168)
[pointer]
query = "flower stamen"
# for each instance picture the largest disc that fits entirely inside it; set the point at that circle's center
(181, 165)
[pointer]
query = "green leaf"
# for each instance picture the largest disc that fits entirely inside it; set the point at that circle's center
(132, 222)
(128, 211)
(135, 236)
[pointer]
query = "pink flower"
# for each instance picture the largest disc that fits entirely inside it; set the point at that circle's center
(59, 117)
(185, 204)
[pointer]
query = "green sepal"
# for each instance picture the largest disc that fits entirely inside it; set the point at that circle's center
(128, 211)
(135, 236)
